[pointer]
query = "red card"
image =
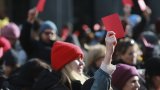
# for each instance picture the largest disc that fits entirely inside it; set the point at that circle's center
(40, 5)
(127, 2)
(142, 5)
(113, 23)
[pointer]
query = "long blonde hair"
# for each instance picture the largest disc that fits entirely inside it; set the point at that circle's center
(70, 75)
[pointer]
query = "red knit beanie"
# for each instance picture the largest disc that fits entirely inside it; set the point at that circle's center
(122, 74)
(62, 53)
(4, 45)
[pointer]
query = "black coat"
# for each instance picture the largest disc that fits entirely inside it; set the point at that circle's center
(52, 81)
(34, 48)
(48, 80)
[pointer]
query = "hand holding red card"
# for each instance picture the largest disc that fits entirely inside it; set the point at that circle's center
(113, 23)
(40, 5)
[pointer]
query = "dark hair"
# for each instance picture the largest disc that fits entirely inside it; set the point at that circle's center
(122, 47)
(33, 67)
(29, 72)
(152, 66)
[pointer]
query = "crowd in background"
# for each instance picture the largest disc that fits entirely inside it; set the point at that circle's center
(37, 56)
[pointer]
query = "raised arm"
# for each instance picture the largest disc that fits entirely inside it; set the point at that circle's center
(25, 38)
(102, 77)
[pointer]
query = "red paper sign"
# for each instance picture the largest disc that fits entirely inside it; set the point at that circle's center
(113, 23)
(127, 2)
(40, 5)
(142, 5)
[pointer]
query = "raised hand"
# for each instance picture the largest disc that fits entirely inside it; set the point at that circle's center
(110, 45)
(111, 42)
(32, 15)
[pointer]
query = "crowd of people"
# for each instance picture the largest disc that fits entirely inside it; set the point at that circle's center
(38, 56)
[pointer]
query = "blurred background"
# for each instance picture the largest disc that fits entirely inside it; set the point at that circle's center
(69, 11)
(27, 33)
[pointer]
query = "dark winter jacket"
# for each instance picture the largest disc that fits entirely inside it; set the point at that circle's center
(52, 81)
(34, 48)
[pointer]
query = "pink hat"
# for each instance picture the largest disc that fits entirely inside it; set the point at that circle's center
(11, 31)
(62, 53)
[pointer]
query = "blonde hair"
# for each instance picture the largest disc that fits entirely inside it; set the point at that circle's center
(95, 52)
(69, 75)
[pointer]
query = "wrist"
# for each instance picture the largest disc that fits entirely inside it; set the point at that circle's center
(108, 58)
(108, 68)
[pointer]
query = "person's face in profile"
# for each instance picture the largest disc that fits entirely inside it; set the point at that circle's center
(132, 84)
(77, 65)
